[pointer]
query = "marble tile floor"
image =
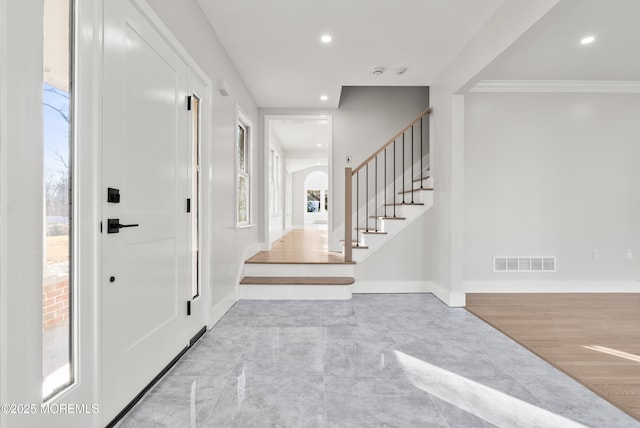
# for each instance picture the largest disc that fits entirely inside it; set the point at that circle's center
(384, 360)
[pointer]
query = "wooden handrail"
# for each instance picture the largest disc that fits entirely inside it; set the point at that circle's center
(388, 143)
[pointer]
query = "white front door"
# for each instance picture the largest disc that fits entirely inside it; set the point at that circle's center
(145, 267)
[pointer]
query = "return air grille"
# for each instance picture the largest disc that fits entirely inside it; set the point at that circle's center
(524, 264)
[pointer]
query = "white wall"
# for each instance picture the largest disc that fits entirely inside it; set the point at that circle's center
(277, 226)
(554, 175)
(232, 245)
(403, 258)
(447, 136)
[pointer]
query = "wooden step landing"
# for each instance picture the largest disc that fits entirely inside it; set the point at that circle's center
(416, 190)
(297, 280)
(381, 217)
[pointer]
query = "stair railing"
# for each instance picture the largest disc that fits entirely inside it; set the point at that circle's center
(352, 179)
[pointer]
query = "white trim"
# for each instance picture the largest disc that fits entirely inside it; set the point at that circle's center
(453, 300)
(3, 207)
(221, 308)
(385, 287)
(246, 226)
(568, 286)
(569, 86)
(164, 31)
(300, 269)
(295, 292)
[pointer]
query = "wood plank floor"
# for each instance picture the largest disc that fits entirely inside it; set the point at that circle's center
(295, 280)
(300, 246)
(594, 338)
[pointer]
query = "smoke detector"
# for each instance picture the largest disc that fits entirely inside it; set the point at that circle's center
(377, 71)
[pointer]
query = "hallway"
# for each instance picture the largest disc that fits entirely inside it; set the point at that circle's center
(375, 360)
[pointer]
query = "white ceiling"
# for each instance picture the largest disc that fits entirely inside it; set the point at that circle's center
(276, 46)
(301, 134)
(304, 139)
(551, 49)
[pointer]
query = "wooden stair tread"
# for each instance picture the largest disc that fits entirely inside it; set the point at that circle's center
(355, 246)
(371, 231)
(421, 178)
(416, 190)
(404, 203)
(381, 217)
(297, 280)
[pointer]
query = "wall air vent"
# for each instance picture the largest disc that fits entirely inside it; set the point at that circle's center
(524, 264)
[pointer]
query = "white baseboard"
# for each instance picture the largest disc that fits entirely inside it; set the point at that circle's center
(295, 292)
(372, 287)
(453, 300)
(221, 308)
(575, 286)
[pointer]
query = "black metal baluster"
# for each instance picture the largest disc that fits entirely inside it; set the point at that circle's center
(394, 178)
(421, 155)
(357, 209)
(366, 201)
(402, 168)
(375, 176)
(385, 181)
(411, 178)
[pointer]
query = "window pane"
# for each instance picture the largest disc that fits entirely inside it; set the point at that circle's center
(243, 213)
(195, 198)
(57, 120)
(242, 149)
(313, 201)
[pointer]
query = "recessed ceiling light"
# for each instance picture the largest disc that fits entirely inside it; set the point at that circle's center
(323, 98)
(326, 38)
(318, 145)
(587, 40)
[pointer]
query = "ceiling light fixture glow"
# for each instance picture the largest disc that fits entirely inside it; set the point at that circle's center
(587, 40)
(318, 145)
(323, 98)
(326, 38)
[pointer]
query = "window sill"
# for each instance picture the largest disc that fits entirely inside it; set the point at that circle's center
(245, 226)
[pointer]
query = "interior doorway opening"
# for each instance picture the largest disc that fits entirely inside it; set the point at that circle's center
(298, 165)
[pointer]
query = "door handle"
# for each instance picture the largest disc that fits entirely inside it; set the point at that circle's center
(114, 226)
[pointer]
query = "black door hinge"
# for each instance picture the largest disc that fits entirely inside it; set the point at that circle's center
(100, 227)
(188, 205)
(189, 102)
(189, 307)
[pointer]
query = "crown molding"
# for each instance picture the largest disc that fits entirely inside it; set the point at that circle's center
(575, 86)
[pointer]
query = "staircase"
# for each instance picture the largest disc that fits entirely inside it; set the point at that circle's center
(383, 195)
(388, 191)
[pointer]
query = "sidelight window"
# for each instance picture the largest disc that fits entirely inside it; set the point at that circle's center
(58, 329)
